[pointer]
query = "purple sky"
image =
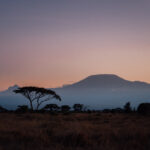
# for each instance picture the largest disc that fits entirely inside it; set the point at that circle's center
(53, 42)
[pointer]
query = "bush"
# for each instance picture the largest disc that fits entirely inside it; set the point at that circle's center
(51, 107)
(127, 107)
(2, 109)
(78, 107)
(22, 109)
(144, 108)
(65, 108)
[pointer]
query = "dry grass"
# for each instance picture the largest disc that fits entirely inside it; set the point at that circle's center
(95, 131)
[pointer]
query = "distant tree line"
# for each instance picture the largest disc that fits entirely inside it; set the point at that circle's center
(38, 96)
(52, 108)
(143, 109)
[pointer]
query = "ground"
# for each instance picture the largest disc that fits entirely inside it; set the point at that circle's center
(74, 131)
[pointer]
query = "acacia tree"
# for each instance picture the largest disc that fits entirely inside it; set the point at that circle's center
(37, 95)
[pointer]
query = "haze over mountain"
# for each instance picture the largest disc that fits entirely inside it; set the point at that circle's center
(95, 92)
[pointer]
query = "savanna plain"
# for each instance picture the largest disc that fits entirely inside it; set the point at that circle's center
(74, 131)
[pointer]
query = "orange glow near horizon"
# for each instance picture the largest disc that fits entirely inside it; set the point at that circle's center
(56, 43)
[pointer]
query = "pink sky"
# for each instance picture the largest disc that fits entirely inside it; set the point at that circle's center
(53, 43)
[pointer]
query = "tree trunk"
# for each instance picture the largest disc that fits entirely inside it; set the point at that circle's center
(31, 105)
(37, 107)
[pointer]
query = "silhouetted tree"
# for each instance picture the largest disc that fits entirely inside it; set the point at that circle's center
(144, 108)
(22, 108)
(78, 107)
(37, 95)
(65, 108)
(127, 107)
(51, 107)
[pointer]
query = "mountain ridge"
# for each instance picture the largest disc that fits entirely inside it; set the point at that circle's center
(105, 81)
(98, 81)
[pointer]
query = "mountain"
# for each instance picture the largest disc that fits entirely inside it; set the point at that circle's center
(11, 89)
(107, 81)
(105, 91)
(10, 100)
(95, 92)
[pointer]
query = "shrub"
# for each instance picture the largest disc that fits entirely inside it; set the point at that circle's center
(22, 109)
(2, 109)
(65, 108)
(78, 107)
(127, 107)
(144, 108)
(51, 107)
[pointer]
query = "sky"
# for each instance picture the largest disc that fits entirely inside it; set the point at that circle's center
(49, 43)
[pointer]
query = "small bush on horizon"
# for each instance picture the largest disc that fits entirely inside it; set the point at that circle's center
(22, 109)
(52, 107)
(2, 109)
(127, 108)
(65, 108)
(144, 109)
(78, 107)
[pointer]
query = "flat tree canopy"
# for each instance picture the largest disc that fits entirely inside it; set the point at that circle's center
(37, 95)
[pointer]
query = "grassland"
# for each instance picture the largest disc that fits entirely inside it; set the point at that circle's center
(76, 131)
